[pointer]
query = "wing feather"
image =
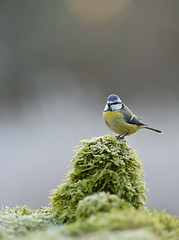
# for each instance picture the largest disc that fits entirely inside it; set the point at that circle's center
(135, 120)
(129, 117)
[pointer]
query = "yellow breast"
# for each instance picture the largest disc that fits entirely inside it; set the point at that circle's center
(117, 124)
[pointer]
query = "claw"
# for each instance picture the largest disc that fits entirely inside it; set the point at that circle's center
(121, 137)
(118, 137)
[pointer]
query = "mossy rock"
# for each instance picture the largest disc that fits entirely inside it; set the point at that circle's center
(161, 225)
(102, 164)
(107, 212)
(100, 202)
(19, 221)
(101, 198)
(108, 217)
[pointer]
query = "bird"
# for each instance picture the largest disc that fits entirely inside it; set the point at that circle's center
(120, 119)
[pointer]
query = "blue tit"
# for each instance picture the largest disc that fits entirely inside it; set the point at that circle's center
(120, 119)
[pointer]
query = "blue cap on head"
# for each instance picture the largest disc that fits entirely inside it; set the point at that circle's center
(113, 98)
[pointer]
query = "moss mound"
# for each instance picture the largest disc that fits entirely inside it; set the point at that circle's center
(100, 164)
(107, 212)
(107, 217)
(101, 198)
(100, 202)
(20, 220)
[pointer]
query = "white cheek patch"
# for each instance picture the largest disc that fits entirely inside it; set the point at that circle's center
(116, 107)
(106, 108)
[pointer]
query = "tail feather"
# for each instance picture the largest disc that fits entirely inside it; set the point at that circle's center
(153, 129)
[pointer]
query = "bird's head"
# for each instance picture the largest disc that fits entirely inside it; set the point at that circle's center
(113, 103)
(113, 99)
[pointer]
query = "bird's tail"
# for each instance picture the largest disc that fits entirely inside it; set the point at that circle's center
(153, 129)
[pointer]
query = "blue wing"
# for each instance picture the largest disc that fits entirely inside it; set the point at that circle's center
(129, 117)
(134, 120)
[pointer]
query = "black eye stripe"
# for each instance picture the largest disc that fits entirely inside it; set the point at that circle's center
(115, 103)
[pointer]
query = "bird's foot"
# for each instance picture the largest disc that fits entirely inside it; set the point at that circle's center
(121, 137)
(118, 137)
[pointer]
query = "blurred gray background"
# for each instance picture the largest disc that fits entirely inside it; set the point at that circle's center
(59, 60)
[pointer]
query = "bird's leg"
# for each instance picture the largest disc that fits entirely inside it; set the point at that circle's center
(124, 136)
(118, 137)
(121, 137)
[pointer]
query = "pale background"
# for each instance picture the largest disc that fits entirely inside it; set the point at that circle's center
(59, 60)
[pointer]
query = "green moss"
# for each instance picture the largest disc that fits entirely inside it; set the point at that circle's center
(102, 202)
(22, 220)
(101, 164)
(100, 198)
(109, 212)
(108, 217)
